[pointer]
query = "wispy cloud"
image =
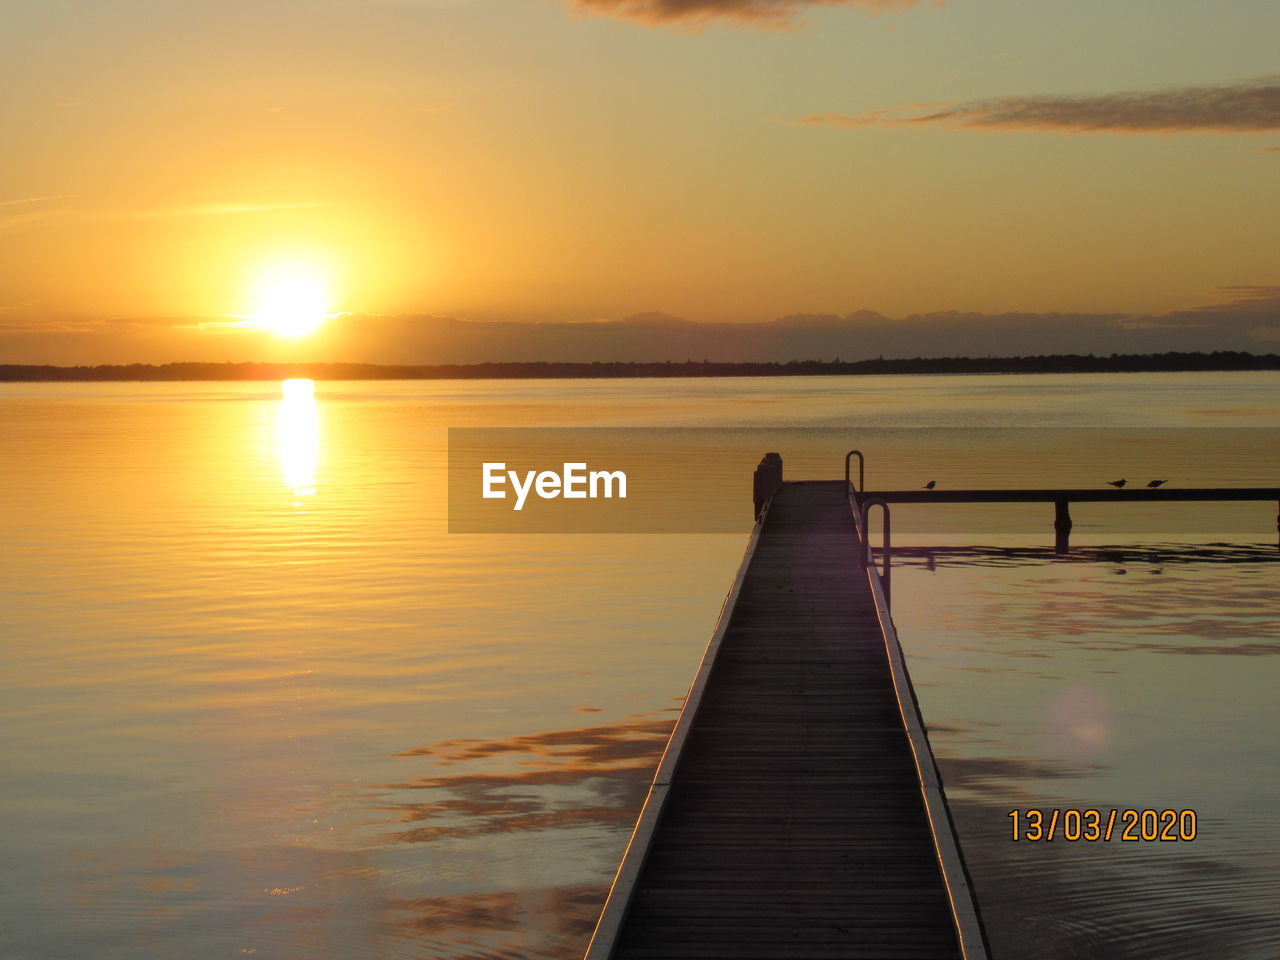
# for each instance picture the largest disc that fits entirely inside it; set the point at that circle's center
(28, 210)
(764, 14)
(1246, 106)
(26, 200)
(8, 224)
(32, 209)
(214, 210)
(1244, 301)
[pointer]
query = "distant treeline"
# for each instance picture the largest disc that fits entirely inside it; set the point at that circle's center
(1058, 363)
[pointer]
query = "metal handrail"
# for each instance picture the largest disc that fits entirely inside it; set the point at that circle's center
(886, 552)
(862, 471)
(1062, 498)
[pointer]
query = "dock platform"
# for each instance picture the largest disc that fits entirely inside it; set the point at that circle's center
(796, 814)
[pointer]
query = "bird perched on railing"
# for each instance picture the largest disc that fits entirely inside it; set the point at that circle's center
(931, 484)
(1117, 483)
(1155, 483)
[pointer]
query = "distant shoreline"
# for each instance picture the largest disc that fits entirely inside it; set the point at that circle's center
(541, 370)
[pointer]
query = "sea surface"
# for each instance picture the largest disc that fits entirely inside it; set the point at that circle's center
(256, 701)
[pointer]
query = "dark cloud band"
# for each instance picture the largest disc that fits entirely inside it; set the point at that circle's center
(767, 14)
(1249, 106)
(1244, 318)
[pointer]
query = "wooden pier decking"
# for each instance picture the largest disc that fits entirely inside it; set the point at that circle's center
(790, 818)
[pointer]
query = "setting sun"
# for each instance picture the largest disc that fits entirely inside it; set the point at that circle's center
(291, 300)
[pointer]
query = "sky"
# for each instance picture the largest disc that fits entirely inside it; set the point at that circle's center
(399, 164)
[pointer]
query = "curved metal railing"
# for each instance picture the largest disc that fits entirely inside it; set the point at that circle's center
(886, 552)
(862, 471)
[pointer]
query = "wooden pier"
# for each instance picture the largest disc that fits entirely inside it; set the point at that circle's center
(796, 812)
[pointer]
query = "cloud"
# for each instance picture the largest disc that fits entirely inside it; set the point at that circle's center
(31, 210)
(26, 213)
(765, 14)
(1242, 318)
(14, 203)
(1246, 106)
(14, 222)
(1246, 300)
(530, 923)
(214, 210)
(554, 780)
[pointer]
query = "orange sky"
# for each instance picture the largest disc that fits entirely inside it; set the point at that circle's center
(553, 161)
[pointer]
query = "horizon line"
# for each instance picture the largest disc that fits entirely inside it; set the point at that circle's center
(253, 370)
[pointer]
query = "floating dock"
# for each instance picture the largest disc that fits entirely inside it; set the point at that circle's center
(796, 812)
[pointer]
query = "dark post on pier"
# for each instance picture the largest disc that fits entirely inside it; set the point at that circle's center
(766, 481)
(797, 811)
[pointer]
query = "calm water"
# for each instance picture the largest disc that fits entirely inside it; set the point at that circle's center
(257, 702)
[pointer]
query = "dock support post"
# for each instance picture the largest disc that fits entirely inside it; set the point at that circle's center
(1062, 526)
(766, 481)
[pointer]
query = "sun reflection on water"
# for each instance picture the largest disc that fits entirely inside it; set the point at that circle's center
(298, 425)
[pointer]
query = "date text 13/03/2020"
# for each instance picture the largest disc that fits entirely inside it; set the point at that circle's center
(1094, 825)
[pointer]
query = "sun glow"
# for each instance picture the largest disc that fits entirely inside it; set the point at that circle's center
(291, 300)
